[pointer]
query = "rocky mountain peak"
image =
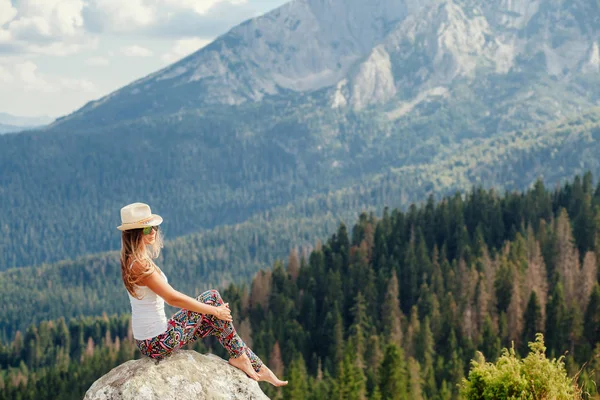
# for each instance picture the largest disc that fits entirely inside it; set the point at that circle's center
(368, 52)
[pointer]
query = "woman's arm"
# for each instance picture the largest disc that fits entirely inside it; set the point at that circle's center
(177, 299)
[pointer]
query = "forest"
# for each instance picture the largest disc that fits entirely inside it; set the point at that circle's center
(395, 308)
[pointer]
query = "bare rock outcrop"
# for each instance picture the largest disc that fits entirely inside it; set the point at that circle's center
(185, 375)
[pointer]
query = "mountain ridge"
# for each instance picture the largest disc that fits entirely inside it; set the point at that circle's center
(426, 77)
(306, 46)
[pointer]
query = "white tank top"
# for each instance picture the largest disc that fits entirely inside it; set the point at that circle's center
(148, 317)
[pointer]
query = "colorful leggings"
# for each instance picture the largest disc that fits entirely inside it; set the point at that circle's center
(187, 326)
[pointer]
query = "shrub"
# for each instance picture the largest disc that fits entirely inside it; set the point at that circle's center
(534, 377)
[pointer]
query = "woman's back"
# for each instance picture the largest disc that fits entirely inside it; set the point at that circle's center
(148, 317)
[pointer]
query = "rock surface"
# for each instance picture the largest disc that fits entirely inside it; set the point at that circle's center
(379, 50)
(185, 375)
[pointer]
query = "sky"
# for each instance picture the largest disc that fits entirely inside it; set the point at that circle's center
(56, 55)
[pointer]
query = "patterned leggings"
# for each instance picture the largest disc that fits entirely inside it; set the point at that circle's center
(187, 326)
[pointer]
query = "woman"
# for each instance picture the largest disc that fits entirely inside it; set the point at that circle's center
(148, 289)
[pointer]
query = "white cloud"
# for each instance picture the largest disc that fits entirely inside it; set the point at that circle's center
(200, 7)
(29, 91)
(119, 15)
(27, 77)
(26, 72)
(97, 61)
(7, 11)
(91, 34)
(136, 51)
(184, 47)
(5, 75)
(48, 27)
(47, 19)
(75, 85)
(4, 36)
(55, 49)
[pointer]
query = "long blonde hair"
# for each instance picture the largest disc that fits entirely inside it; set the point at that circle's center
(135, 252)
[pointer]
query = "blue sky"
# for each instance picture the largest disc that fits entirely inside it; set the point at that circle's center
(55, 55)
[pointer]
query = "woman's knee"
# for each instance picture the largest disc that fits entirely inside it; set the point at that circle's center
(211, 295)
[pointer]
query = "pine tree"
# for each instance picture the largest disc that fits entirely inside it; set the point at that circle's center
(587, 279)
(536, 274)
(591, 327)
(391, 314)
(376, 394)
(393, 374)
(490, 340)
(352, 382)
(297, 388)
(244, 329)
(455, 370)
(503, 283)
(514, 312)
(275, 361)
(532, 322)
(359, 328)
(337, 345)
(556, 325)
(426, 354)
(261, 289)
(584, 229)
(415, 392)
(412, 333)
(373, 358)
(567, 258)
(409, 277)
(293, 267)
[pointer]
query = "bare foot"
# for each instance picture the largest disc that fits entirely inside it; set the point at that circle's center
(265, 374)
(243, 362)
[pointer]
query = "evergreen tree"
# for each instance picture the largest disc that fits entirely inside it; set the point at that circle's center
(391, 315)
(584, 229)
(556, 322)
(275, 361)
(297, 387)
(587, 279)
(293, 264)
(393, 374)
(532, 322)
(592, 318)
(567, 258)
(409, 277)
(351, 381)
(415, 392)
(490, 340)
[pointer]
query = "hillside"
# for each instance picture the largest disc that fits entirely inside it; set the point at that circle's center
(305, 101)
(396, 308)
(234, 253)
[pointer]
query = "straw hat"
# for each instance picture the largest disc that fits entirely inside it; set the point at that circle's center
(138, 215)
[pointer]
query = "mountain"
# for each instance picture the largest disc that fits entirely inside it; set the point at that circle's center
(9, 119)
(11, 123)
(233, 254)
(362, 53)
(11, 128)
(313, 100)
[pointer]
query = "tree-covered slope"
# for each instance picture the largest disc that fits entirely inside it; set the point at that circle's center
(396, 308)
(234, 253)
(288, 106)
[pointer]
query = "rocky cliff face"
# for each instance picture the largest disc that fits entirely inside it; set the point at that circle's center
(369, 52)
(186, 375)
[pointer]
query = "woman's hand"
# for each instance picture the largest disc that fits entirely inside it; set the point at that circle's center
(223, 312)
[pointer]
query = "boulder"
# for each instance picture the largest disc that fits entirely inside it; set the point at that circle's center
(185, 375)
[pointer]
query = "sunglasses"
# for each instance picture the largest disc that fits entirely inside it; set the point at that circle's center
(149, 229)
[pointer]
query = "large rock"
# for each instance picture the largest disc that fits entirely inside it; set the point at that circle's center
(185, 375)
